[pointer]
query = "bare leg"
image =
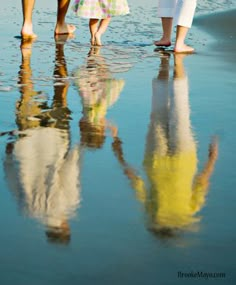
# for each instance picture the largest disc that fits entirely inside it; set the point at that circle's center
(101, 30)
(180, 46)
(61, 26)
(27, 27)
(93, 27)
(167, 29)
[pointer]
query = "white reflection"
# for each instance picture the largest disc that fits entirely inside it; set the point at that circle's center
(41, 167)
(174, 191)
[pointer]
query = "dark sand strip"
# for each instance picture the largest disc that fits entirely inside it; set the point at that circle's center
(222, 27)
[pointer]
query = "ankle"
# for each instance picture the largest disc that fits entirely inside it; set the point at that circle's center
(179, 44)
(27, 25)
(166, 39)
(60, 23)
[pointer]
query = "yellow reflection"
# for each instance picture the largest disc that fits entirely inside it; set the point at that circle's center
(174, 191)
(41, 167)
(98, 90)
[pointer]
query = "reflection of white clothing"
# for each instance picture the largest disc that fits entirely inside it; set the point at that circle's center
(181, 10)
(48, 174)
(170, 159)
(171, 114)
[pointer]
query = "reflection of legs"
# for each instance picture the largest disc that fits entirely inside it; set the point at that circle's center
(181, 137)
(157, 133)
(93, 29)
(27, 27)
(60, 72)
(26, 107)
(61, 26)
(26, 47)
(101, 30)
(25, 69)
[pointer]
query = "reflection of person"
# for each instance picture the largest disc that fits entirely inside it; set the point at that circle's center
(40, 165)
(99, 13)
(175, 192)
(98, 90)
(61, 26)
(182, 11)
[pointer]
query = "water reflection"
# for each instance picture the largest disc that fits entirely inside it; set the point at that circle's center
(41, 167)
(99, 90)
(173, 192)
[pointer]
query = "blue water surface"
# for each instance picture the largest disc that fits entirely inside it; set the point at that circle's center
(116, 163)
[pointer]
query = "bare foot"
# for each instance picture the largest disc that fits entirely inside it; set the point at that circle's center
(27, 32)
(98, 39)
(162, 43)
(64, 29)
(183, 49)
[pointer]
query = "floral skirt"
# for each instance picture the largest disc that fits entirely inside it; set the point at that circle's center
(100, 9)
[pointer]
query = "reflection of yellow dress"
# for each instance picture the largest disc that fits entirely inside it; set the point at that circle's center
(96, 110)
(172, 189)
(98, 89)
(175, 194)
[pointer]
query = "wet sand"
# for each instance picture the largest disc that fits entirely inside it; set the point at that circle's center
(220, 26)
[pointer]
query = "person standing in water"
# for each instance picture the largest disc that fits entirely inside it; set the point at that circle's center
(61, 26)
(99, 13)
(181, 12)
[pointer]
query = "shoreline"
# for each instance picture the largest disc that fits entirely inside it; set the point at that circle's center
(218, 23)
(221, 27)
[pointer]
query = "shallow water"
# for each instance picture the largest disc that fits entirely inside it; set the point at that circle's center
(117, 163)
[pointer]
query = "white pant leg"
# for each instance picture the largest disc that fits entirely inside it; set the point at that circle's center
(166, 8)
(184, 12)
